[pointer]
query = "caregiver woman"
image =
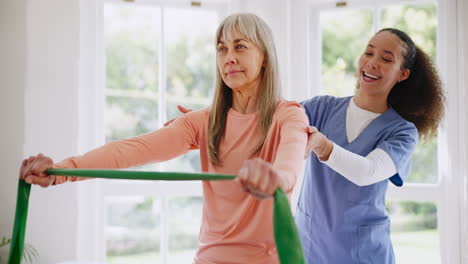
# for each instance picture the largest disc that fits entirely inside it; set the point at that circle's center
(246, 121)
(359, 142)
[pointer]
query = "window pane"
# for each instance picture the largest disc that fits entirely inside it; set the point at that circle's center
(420, 23)
(131, 37)
(424, 163)
(414, 232)
(128, 116)
(191, 67)
(185, 215)
(190, 56)
(132, 230)
(344, 36)
(131, 42)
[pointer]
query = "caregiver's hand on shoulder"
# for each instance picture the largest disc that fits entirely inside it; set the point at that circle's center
(33, 170)
(260, 179)
(183, 110)
(319, 144)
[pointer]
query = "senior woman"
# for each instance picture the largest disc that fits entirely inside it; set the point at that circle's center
(246, 121)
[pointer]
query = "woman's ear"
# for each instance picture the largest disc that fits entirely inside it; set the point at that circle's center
(405, 74)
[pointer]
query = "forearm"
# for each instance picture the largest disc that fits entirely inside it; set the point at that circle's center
(290, 156)
(147, 148)
(373, 168)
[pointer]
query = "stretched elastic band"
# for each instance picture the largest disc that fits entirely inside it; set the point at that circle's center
(286, 236)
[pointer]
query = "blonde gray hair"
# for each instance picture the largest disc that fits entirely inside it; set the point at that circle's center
(259, 33)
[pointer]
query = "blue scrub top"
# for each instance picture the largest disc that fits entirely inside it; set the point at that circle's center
(338, 221)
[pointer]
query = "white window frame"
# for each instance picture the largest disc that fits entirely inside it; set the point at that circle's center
(303, 79)
(91, 223)
(448, 191)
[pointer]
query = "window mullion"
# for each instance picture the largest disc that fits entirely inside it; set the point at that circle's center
(162, 115)
(164, 247)
(415, 192)
(377, 18)
(162, 82)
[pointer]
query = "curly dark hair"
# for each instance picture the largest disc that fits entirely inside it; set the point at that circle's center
(420, 98)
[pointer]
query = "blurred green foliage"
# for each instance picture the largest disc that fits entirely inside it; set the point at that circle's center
(345, 34)
(132, 81)
(409, 216)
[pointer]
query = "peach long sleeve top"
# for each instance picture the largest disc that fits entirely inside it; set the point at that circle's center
(236, 227)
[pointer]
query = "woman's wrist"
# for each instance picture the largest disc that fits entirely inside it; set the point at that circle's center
(325, 155)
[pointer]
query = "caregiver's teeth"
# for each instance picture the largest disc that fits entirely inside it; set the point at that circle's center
(371, 76)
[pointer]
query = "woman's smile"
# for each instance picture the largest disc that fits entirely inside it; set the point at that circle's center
(369, 77)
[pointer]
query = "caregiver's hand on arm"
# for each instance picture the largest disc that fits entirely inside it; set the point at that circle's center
(183, 110)
(260, 179)
(33, 170)
(319, 144)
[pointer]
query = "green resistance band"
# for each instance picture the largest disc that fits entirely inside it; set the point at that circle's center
(286, 236)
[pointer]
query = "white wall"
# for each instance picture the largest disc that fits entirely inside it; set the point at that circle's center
(51, 102)
(39, 113)
(12, 85)
(452, 224)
